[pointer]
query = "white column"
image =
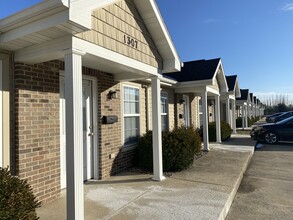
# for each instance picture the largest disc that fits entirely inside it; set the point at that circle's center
(248, 111)
(243, 116)
(233, 116)
(74, 135)
(228, 113)
(204, 98)
(1, 115)
(157, 134)
(218, 119)
(246, 116)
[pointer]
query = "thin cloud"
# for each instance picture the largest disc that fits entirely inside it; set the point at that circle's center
(211, 20)
(288, 7)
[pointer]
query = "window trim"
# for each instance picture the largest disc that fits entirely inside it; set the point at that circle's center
(131, 145)
(165, 95)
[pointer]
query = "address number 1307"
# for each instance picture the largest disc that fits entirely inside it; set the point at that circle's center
(130, 41)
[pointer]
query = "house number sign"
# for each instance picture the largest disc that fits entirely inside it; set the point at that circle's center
(130, 41)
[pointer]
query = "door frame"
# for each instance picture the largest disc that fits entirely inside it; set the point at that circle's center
(1, 114)
(95, 150)
(186, 110)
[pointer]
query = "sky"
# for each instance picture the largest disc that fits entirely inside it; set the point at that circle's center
(254, 38)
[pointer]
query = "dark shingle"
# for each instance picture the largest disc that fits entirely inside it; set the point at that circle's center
(244, 94)
(231, 81)
(196, 70)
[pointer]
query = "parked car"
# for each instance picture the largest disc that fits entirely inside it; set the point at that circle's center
(269, 118)
(271, 133)
(281, 117)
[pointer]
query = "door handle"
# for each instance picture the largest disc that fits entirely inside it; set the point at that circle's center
(91, 134)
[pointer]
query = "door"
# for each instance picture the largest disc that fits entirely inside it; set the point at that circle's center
(186, 111)
(87, 112)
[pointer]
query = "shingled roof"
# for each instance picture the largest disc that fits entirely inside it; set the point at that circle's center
(231, 81)
(196, 70)
(244, 94)
(251, 97)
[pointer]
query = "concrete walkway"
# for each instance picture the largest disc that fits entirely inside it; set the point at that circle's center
(205, 191)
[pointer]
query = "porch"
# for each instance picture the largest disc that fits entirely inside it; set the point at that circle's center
(205, 191)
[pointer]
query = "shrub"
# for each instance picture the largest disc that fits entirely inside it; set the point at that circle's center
(17, 200)
(178, 147)
(226, 131)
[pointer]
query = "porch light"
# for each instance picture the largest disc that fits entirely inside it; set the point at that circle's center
(112, 94)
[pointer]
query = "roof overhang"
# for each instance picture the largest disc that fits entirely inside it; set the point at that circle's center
(237, 89)
(221, 78)
(54, 19)
(153, 20)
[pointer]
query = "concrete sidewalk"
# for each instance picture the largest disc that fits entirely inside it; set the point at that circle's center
(205, 191)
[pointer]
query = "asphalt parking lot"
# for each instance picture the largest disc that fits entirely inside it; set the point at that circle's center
(266, 191)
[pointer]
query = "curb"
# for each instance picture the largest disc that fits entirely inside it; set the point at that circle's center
(232, 195)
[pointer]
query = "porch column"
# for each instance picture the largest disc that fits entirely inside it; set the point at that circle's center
(157, 134)
(233, 116)
(74, 135)
(243, 117)
(228, 114)
(218, 119)
(204, 98)
(248, 112)
(1, 122)
(246, 116)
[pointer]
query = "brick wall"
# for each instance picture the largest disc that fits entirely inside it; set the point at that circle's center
(37, 127)
(113, 158)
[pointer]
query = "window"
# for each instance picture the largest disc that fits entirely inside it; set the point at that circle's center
(200, 112)
(131, 114)
(164, 111)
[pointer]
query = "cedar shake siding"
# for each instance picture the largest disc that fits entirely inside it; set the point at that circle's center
(37, 131)
(120, 28)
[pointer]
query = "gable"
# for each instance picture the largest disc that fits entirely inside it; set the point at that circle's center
(216, 84)
(120, 28)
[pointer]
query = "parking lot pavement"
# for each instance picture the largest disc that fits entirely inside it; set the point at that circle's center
(266, 191)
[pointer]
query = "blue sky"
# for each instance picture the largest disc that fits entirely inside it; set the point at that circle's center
(253, 38)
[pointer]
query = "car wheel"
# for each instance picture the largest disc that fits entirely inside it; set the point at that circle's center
(271, 137)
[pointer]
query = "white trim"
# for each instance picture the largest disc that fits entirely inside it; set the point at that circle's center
(95, 150)
(115, 58)
(157, 134)
(1, 115)
(186, 110)
(165, 95)
(129, 85)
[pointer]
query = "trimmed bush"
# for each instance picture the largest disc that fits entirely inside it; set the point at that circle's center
(17, 200)
(179, 148)
(226, 131)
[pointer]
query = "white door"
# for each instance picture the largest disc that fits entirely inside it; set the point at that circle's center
(87, 111)
(186, 111)
(87, 108)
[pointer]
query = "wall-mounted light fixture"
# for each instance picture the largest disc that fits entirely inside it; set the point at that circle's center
(112, 94)
(182, 101)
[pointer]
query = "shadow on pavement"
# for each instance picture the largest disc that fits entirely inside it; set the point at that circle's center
(281, 146)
